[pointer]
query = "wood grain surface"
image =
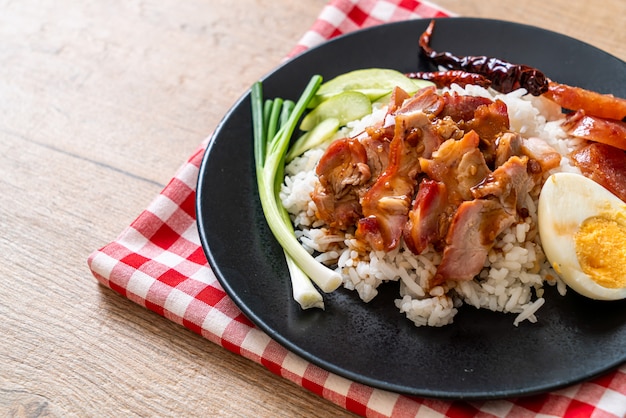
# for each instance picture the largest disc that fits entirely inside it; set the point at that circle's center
(100, 103)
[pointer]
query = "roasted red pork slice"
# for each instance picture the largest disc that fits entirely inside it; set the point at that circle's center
(398, 96)
(591, 102)
(458, 164)
(461, 108)
(341, 170)
(509, 183)
(507, 145)
(489, 122)
(592, 128)
(471, 235)
(425, 100)
(428, 219)
(605, 165)
(376, 143)
(386, 204)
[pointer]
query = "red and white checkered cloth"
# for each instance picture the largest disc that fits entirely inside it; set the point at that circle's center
(158, 263)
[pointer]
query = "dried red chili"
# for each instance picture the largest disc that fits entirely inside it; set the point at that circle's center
(447, 78)
(505, 76)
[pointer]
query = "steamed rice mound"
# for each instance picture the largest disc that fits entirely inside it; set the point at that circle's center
(516, 269)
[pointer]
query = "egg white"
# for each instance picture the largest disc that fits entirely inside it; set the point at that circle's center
(565, 202)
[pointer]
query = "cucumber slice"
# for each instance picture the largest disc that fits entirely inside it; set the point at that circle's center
(373, 82)
(321, 133)
(345, 107)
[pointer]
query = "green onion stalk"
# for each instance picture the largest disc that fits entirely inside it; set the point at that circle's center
(274, 122)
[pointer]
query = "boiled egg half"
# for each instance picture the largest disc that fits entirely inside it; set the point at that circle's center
(583, 233)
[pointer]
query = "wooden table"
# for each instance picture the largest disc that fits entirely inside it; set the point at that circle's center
(100, 103)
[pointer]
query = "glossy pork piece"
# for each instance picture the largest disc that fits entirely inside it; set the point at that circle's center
(605, 165)
(386, 204)
(441, 170)
(592, 103)
(473, 230)
(596, 129)
(341, 171)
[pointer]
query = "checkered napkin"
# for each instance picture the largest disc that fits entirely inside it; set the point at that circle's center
(158, 263)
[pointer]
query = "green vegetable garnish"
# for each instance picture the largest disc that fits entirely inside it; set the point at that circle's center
(320, 134)
(373, 82)
(345, 107)
(272, 134)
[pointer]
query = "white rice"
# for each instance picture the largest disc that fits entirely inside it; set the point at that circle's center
(516, 269)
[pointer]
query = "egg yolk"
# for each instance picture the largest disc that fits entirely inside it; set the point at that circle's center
(601, 251)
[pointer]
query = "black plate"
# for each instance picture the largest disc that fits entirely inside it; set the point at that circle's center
(482, 355)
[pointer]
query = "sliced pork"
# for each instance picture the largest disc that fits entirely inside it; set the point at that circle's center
(507, 145)
(425, 100)
(386, 204)
(593, 103)
(341, 170)
(490, 122)
(461, 108)
(458, 164)
(428, 218)
(376, 143)
(473, 175)
(605, 165)
(592, 128)
(509, 183)
(398, 97)
(471, 235)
